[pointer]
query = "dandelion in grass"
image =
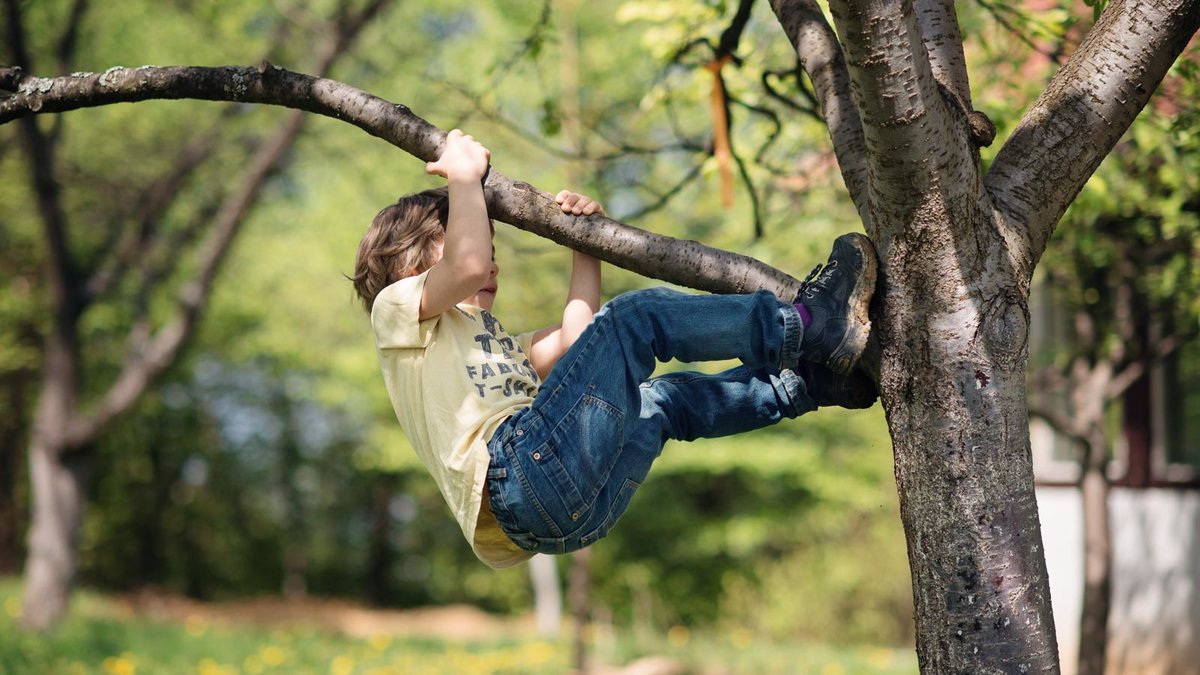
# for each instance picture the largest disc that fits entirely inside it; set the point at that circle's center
(125, 664)
(272, 656)
(342, 665)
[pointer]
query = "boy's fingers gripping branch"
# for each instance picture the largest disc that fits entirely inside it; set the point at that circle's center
(463, 158)
(577, 204)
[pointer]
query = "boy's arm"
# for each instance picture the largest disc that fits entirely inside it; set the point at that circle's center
(583, 296)
(466, 261)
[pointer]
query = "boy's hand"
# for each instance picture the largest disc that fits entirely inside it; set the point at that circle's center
(577, 204)
(463, 158)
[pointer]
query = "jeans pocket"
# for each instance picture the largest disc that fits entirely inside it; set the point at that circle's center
(577, 459)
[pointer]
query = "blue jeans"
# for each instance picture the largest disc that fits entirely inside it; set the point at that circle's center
(563, 471)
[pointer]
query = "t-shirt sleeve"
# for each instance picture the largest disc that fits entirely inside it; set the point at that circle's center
(395, 315)
(525, 342)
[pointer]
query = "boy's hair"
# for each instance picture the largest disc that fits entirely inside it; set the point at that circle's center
(400, 242)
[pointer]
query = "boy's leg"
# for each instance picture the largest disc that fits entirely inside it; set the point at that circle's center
(552, 462)
(685, 406)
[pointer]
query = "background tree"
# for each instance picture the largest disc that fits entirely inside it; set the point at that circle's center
(129, 270)
(958, 247)
(1123, 277)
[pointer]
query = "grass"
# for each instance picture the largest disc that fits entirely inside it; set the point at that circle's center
(102, 636)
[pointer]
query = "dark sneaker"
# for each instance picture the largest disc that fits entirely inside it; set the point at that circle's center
(826, 387)
(838, 296)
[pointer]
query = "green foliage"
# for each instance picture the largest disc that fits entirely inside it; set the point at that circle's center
(275, 435)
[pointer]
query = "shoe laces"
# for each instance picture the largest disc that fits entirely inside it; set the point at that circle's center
(818, 278)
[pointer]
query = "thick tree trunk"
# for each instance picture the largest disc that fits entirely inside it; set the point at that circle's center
(952, 384)
(1097, 568)
(58, 489)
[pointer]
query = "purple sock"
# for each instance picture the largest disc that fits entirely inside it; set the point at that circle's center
(805, 317)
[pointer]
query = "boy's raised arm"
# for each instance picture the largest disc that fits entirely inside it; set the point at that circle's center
(466, 262)
(583, 295)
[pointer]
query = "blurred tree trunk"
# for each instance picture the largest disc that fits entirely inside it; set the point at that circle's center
(1097, 562)
(547, 595)
(380, 555)
(295, 547)
(1114, 340)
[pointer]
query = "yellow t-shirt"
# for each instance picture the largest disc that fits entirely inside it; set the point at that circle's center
(453, 379)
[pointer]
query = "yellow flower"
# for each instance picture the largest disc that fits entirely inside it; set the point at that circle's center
(881, 658)
(538, 653)
(125, 664)
(342, 665)
(678, 636)
(209, 667)
(272, 655)
(380, 642)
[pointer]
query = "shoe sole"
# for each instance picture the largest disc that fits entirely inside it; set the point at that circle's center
(854, 342)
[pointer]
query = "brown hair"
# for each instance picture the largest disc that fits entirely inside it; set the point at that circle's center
(400, 242)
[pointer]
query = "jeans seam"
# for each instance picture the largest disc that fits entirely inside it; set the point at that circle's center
(793, 333)
(790, 384)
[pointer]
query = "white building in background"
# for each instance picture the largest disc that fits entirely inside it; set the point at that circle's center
(1154, 510)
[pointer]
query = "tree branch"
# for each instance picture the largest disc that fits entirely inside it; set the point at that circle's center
(1158, 352)
(1085, 109)
(141, 369)
(154, 202)
(1059, 422)
(943, 43)
(686, 263)
(919, 146)
(822, 59)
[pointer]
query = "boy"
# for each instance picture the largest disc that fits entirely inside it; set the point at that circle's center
(538, 441)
